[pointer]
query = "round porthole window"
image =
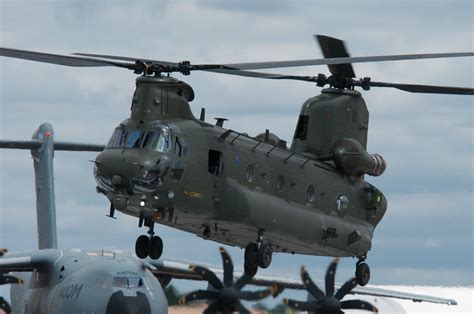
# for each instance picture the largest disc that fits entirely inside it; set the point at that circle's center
(280, 183)
(250, 173)
(342, 202)
(310, 194)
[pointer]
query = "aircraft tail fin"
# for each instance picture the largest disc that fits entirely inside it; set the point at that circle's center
(42, 148)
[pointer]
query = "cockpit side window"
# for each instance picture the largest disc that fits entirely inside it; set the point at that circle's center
(118, 138)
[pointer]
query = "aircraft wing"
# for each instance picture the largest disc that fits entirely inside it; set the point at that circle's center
(29, 261)
(180, 270)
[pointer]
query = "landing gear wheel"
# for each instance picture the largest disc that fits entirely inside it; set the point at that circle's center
(362, 274)
(155, 247)
(251, 259)
(264, 256)
(250, 270)
(141, 246)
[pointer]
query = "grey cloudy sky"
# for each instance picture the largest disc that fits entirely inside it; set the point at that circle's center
(427, 234)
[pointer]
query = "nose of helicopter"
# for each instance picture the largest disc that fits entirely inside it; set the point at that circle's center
(134, 170)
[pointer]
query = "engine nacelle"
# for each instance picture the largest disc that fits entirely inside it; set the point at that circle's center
(352, 159)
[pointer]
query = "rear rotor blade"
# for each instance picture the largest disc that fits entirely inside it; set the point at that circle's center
(208, 275)
(66, 60)
(358, 305)
(228, 267)
(311, 62)
(428, 89)
(335, 48)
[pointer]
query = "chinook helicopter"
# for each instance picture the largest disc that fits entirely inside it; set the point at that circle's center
(163, 165)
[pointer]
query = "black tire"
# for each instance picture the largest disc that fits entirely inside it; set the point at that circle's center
(265, 253)
(250, 270)
(155, 247)
(251, 255)
(141, 246)
(362, 274)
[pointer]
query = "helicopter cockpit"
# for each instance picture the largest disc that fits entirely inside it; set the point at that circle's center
(156, 140)
(138, 160)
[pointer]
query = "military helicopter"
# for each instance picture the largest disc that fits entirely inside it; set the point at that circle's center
(164, 165)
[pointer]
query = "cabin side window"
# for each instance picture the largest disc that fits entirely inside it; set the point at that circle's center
(215, 163)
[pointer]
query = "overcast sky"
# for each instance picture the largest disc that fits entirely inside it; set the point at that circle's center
(426, 237)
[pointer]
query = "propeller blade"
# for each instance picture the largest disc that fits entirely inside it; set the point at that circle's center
(199, 295)
(212, 308)
(302, 306)
(329, 279)
(241, 309)
(276, 290)
(9, 279)
(208, 275)
(311, 286)
(228, 267)
(428, 89)
(242, 281)
(66, 60)
(3, 252)
(254, 295)
(5, 306)
(358, 305)
(346, 288)
(335, 48)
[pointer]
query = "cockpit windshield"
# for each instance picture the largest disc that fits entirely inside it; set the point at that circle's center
(158, 140)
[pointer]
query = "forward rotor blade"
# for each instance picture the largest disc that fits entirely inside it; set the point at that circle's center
(199, 295)
(311, 286)
(209, 276)
(254, 295)
(346, 288)
(358, 305)
(293, 63)
(228, 267)
(428, 89)
(129, 59)
(302, 306)
(66, 60)
(335, 48)
(329, 279)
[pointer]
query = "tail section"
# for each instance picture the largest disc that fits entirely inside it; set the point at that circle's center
(42, 148)
(44, 181)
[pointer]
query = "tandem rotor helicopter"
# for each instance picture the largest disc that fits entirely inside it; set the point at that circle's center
(164, 165)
